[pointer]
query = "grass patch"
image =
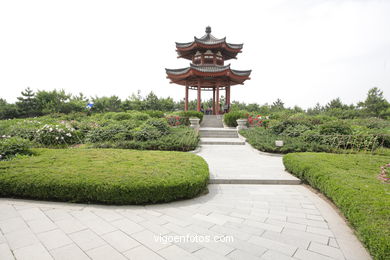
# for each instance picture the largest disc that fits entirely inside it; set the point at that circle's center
(350, 181)
(106, 176)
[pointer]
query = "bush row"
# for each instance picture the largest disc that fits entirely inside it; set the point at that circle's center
(118, 177)
(351, 182)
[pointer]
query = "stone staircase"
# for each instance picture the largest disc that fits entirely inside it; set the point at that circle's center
(212, 132)
(214, 121)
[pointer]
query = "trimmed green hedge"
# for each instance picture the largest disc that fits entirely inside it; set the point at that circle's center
(350, 181)
(230, 118)
(106, 176)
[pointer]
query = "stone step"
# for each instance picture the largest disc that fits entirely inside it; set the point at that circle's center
(221, 141)
(254, 181)
(212, 121)
(218, 133)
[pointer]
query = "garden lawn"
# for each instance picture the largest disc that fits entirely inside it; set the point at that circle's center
(350, 181)
(107, 176)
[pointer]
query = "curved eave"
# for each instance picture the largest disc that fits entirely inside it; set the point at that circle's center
(234, 48)
(235, 76)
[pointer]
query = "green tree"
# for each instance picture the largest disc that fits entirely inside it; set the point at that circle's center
(106, 104)
(52, 101)
(27, 103)
(375, 103)
(8, 110)
(277, 105)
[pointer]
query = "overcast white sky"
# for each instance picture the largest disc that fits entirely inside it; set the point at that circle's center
(301, 51)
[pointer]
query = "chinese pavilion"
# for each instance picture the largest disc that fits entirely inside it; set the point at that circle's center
(208, 70)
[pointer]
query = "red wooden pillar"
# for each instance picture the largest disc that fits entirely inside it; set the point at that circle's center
(186, 99)
(214, 113)
(199, 97)
(217, 98)
(228, 97)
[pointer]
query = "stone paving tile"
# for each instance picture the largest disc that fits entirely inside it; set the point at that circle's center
(99, 226)
(154, 227)
(333, 242)
(120, 241)
(7, 211)
(207, 254)
(21, 238)
(306, 235)
(245, 228)
(265, 221)
(273, 227)
(127, 226)
(70, 225)
(87, 240)
(5, 252)
(35, 251)
(274, 245)
(241, 255)
(41, 225)
(107, 215)
(274, 255)
(287, 239)
(131, 216)
(105, 252)
(31, 213)
(57, 214)
(12, 224)
(54, 239)
(142, 253)
(69, 252)
(231, 231)
(326, 250)
(150, 240)
(308, 255)
(320, 231)
(174, 252)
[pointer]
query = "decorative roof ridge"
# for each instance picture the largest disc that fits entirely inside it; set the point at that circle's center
(192, 65)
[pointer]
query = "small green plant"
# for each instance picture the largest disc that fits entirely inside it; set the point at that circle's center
(230, 118)
(12, 146)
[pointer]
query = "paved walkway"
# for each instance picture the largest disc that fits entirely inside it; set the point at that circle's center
(241, 222)
(245, 165)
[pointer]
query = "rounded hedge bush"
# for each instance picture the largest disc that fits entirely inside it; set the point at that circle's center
(11, 146)
(106, 176)
(230, 118)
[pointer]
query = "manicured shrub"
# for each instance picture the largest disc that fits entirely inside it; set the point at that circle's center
(351, 182)
(295, 131)
(155, 113)
(146, 132)
(11, 146)
(117, 177)
(110, 132)
(230, 118)
(52, 135)
(159, 123)
(179, 139)
(335, 128)
(191, 113)
(136, 115)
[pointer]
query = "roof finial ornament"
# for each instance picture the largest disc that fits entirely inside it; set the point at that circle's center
(208, 29)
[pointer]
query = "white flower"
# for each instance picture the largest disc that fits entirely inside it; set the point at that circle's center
(69, 134)
(62, 137)
(4, 136)
(56, 137)
(50, 129)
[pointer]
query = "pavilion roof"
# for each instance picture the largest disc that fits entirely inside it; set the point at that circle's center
(208, 72)
(208, 68)
(208, 41)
